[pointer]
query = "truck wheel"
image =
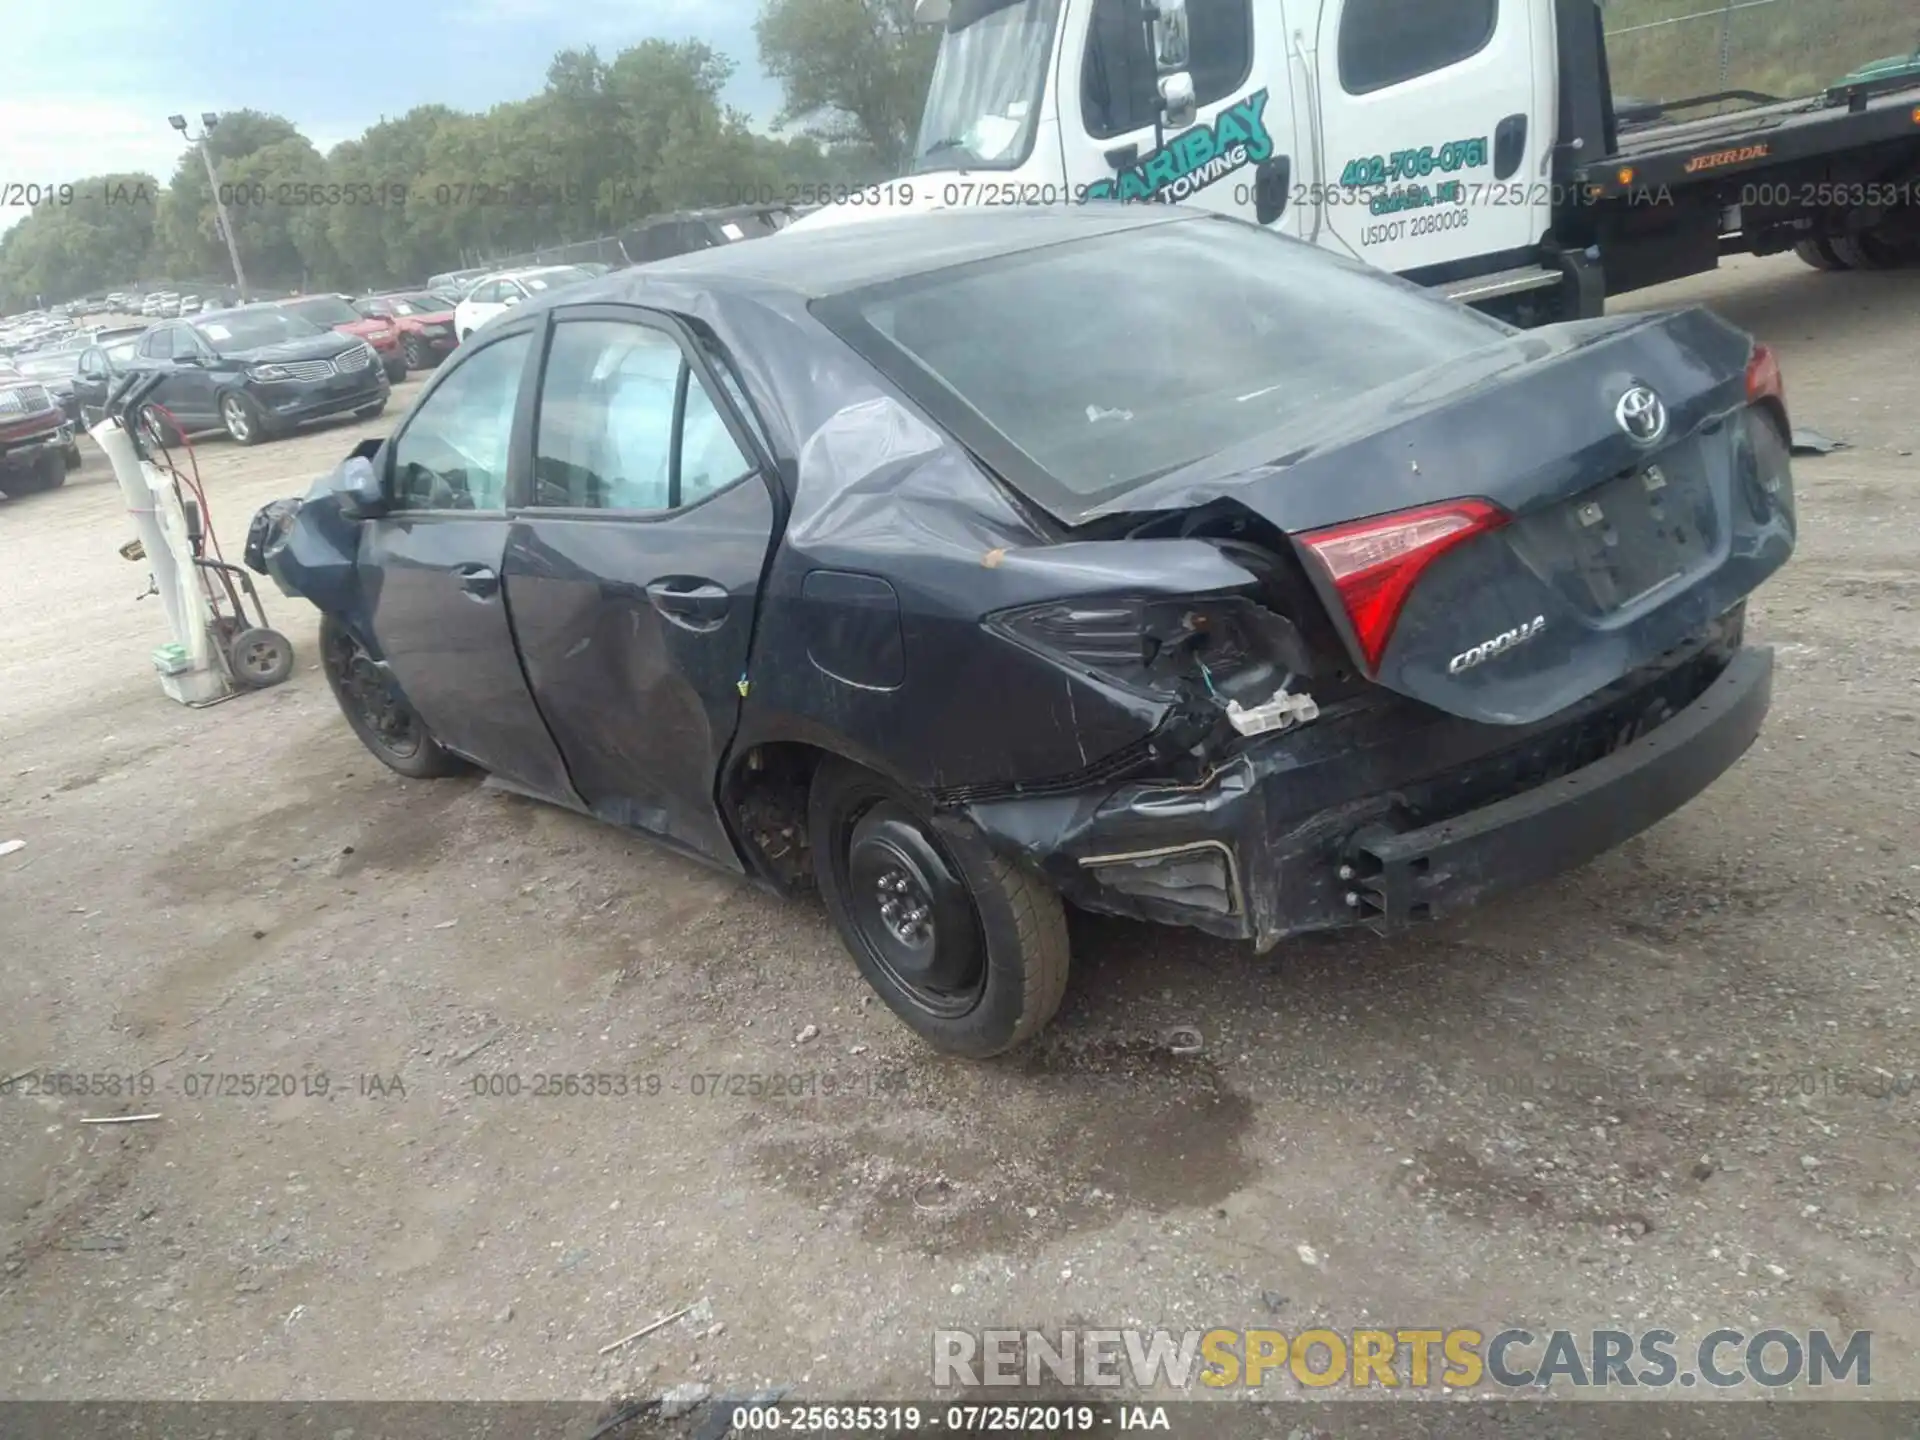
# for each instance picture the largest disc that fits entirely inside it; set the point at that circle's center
(415, 351)
(74, 458)
(965, 947)
(1819, 254)
(1864, 252)
(385, 723)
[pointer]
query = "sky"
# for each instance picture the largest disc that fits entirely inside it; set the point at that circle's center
(87, 90)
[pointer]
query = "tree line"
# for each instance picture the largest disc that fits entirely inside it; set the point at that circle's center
(605, 143)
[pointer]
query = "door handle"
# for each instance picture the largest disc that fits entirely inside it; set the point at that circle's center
(696, 604)
(478, 581)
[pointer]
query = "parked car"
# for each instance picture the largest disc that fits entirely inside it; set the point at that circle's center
(189, 305)
(256, 371)
(424, 320)
(56, 370)
(659, 237)
(889, 559)
(454, 284)
(499, 293)
(96, 371)
(36, 441)
(336, 312)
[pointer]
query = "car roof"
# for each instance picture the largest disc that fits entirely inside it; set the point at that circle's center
(836, 259)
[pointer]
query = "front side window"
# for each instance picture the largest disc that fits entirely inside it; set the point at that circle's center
(612, 399)
(1388, 42)
(988, 80)
(1119, 82)
(453, 453)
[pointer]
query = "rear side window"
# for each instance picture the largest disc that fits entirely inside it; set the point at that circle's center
(1386, 42)
(1119, 83)
(625, 423)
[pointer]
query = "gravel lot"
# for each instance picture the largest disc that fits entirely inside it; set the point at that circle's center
(1631, 1097)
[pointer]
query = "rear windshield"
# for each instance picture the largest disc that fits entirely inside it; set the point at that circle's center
(1082, 370)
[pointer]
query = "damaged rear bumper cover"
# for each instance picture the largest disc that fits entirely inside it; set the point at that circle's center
(1237, 856)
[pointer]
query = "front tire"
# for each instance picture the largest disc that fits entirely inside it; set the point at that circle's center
(965, 947)
(242, 419)
(385, 723)
(416, 353)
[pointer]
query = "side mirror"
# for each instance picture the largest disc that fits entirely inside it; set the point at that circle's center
(1177, 101)
(509, 299)
(361, 495)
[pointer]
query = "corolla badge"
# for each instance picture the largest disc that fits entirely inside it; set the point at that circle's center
(1642, 414)
(1499, 645)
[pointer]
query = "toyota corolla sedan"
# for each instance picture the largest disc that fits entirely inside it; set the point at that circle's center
(967, 565)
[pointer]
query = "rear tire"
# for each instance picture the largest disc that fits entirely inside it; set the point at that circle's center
(156, 429)
(965, 947)
(1819, 254)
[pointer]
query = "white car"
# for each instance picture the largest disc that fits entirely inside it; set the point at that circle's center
(500, 292)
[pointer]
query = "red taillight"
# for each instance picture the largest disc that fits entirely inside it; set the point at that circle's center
(1374, 563)
(1763, 377)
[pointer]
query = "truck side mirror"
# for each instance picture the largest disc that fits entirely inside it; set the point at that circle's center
(1176, 100)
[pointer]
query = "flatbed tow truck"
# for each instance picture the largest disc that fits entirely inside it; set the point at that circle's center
(1472, 146)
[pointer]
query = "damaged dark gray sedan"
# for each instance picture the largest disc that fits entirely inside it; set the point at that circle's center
(963, 564)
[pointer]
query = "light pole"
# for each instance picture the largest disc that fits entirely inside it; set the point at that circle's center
(209, 120)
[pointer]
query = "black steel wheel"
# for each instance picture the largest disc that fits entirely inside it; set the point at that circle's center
(966, 947)
(382, 719)
(260, 658)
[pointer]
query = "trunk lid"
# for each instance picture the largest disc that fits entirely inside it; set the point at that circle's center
(1619, 547)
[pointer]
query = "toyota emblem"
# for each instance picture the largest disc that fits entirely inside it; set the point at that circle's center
(1642, 414)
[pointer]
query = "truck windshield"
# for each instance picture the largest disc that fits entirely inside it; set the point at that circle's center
(988, 81)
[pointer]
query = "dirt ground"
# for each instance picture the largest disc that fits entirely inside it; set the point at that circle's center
(1631, 1097)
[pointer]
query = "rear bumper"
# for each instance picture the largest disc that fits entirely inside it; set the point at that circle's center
(1566, 822)
(1334, 826)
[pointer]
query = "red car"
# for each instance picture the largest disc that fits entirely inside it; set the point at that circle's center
(425, 323)
(36, 441)
(334, 312)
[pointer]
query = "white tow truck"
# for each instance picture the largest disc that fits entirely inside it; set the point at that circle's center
(1473, 146)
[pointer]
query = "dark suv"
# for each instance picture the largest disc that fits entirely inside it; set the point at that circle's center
(256, 372)
(36, 442)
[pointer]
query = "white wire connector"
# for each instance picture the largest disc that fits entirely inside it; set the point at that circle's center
(1282, 712)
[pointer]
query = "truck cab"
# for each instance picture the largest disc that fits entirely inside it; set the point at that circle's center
(1462, 144)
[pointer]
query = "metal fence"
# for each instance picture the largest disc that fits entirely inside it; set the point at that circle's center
(605, 250)
(1670, 49)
